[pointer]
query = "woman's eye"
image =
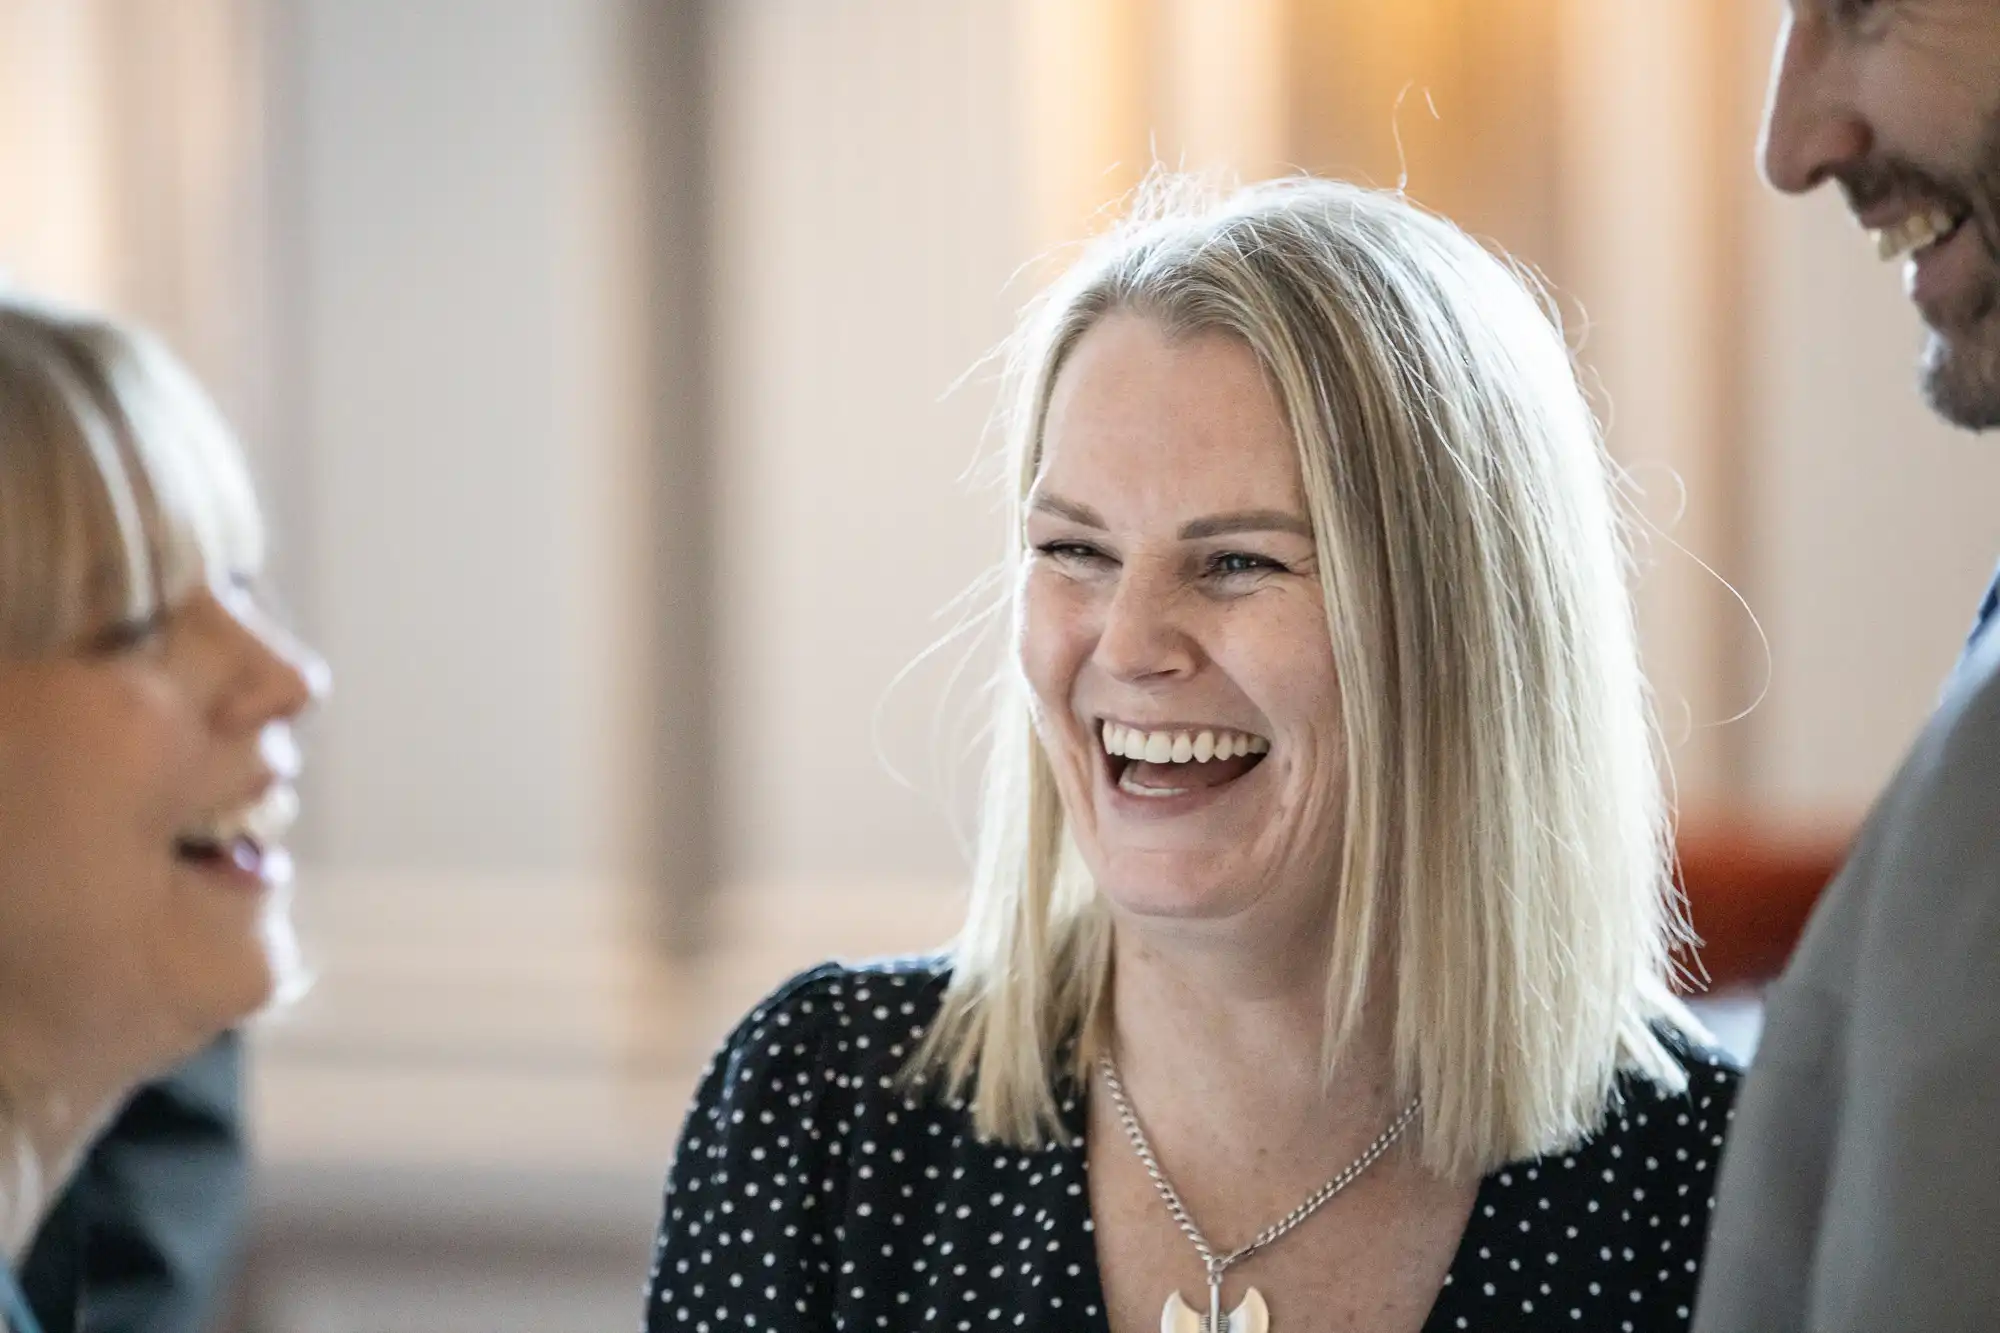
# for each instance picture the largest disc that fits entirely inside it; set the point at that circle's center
(1227, 563)
(1070, 552)
(128, 635)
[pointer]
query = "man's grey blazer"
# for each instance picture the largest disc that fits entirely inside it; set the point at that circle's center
(1860, 1188)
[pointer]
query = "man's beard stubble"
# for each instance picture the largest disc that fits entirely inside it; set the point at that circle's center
(1960, 372)
(1961, 363)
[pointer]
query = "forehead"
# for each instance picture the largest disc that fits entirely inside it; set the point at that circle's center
(1143, 419)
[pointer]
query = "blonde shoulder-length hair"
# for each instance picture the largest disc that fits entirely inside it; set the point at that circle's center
(1503, 872)
(121, 487)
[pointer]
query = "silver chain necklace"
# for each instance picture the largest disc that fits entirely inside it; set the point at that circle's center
(1252, 1315)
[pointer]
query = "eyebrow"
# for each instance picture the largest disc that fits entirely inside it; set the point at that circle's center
(1215, 525)
(1250, 520)
(1044, 503)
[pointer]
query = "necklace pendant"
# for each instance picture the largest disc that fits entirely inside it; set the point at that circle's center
(1250, 1316)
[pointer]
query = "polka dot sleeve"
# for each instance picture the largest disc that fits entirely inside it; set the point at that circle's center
(738, 1246)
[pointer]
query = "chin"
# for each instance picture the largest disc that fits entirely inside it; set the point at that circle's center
(234, 996)
(1962, 384)
(1961, 370)
(1171, 893)
(242, 977)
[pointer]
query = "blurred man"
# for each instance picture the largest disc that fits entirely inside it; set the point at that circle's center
(1861, 1188)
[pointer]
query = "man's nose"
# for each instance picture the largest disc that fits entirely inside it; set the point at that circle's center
(1811, 128)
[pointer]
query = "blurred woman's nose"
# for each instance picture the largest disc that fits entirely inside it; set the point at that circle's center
(1142, 638)
(1811, 128)
(275, 677)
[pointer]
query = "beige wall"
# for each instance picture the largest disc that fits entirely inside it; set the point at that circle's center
(1639, 190)
(868, 215)
(132, 146)
(465, 433)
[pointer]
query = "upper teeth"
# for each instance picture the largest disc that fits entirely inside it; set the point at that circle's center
(1179, 747)
(1914, 232)
(264, 823)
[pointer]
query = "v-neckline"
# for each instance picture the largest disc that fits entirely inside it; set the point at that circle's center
(1484, 1206)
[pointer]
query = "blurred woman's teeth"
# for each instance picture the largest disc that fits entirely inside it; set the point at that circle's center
(1914, 233)
(1179, 747)
(264, 823)
(272, 818)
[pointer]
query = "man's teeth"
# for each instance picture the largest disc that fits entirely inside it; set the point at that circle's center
(1915, 232)
(1179, 747)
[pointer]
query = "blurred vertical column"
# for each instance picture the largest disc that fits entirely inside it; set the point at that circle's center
(479, 395)
(868, 206)
(131, 145)
(674, 57)
(1112, 87)
(1453, 98)
(1221, 103)
(56, 229)
(466, 295)
(1655, 133)
(1084, 118)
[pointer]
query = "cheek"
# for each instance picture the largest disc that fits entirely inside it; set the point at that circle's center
(1283, 663)
(86, 822)
(1055, 639)
(82, 889)
(1930, 94)
(1281, 655)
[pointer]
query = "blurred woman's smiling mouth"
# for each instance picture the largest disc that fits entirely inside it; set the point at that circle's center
(243, 846)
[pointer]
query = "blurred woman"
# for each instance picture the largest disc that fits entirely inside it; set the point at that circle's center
(146, 755)
(1316, 970)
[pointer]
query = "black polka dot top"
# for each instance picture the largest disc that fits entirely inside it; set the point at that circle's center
(810, 1193)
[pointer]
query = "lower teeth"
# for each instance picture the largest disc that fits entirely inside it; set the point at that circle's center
(1125, 784)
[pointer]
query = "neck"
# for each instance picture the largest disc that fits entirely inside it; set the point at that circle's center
(1230, 1028)
(49, 1112)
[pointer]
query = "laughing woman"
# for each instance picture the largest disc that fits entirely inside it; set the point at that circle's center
(146, 759)
(1316, 970)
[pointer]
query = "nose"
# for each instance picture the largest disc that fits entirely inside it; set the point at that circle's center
(1811, 127)
(273, 676)
(1142, 640)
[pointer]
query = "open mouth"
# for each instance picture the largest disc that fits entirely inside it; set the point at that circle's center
(244, 840)
(1922, 231)
(207, 853)
(1158, 764)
